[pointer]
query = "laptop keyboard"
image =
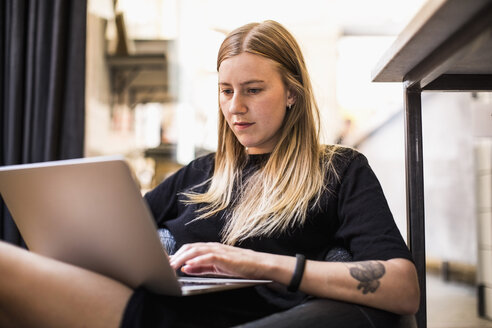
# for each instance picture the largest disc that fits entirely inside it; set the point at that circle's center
(199, 282)
(206, 281)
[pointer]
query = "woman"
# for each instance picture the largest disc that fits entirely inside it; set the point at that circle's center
(269, 204)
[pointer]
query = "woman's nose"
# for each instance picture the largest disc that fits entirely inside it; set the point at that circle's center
(237, 105)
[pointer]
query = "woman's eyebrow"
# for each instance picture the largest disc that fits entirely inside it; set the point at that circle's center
(242, 83)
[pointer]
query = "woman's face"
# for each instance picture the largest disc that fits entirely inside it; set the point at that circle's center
(253, 99)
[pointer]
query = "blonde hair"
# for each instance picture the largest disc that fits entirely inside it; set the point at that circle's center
(278, 195)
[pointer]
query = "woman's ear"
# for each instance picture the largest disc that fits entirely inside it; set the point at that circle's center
(291, 98)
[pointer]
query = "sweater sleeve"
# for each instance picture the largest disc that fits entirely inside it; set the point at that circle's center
(366, 225)
(165, 199)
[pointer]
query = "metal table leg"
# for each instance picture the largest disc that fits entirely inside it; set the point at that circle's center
(415, 191)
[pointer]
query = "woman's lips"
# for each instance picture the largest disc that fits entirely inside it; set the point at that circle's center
(242, 125)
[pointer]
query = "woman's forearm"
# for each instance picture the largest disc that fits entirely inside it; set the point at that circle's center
(389, 285)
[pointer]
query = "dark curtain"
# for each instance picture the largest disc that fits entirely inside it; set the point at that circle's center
(42, 85)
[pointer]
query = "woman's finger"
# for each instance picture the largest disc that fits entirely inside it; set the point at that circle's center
(190, 251)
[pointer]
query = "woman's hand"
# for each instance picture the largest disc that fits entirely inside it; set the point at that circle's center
(219, 260)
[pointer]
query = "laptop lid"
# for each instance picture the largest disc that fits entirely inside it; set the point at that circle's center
(90, 213)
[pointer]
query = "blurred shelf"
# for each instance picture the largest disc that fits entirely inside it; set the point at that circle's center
(139, 78)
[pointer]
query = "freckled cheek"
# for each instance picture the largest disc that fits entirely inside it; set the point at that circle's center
(272, 110)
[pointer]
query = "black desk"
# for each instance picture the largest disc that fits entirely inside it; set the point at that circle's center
(446, 47)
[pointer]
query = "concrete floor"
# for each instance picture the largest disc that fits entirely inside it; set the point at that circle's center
(452, 305)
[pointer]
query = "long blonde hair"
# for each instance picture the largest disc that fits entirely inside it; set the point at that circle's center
(279, 195)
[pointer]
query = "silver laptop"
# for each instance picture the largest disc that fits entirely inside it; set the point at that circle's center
(89, 212)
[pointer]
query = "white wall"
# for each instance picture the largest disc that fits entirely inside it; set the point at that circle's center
(449, 177)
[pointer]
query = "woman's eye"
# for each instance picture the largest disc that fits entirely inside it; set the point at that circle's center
(254, 90)
(227, 91)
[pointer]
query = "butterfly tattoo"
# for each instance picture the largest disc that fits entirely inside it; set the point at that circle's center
(368, 274)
